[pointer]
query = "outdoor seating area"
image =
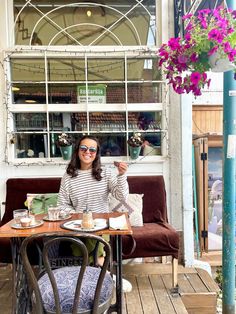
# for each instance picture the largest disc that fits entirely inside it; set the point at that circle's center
(117, 163)
(156, 237)
(151, 290)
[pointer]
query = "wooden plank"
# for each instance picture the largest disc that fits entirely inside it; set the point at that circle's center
(133, 302)
(197, 283)
(153, 269)
(176, 300)
(184, 284)
(201, 310)
(208, 281)
(162, 297)
(199, 299)
(146, 294)
(214, 258)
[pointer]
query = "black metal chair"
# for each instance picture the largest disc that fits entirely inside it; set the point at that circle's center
(67, 285)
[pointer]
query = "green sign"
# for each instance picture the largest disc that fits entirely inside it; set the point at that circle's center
(96, 94)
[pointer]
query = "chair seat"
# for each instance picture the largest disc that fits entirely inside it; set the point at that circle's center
(66, 279)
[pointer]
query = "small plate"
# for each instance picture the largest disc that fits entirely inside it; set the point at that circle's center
(75, 225)
(58, 219)
(37, 224)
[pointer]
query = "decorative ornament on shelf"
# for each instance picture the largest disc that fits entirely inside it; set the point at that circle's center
(65, 142)
(135, 143)
(208, 34)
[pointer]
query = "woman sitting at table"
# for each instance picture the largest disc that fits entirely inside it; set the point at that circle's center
(86, 184)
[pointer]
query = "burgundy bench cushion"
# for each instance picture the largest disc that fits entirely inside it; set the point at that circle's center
(153, 239)
(154, 199)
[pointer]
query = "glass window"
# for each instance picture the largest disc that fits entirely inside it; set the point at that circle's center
(86, 23)
(112, 104)
(68, 84)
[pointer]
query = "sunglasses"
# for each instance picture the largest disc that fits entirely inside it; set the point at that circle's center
(91, 149)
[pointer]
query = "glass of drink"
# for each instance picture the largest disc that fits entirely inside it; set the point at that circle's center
(18, 214)
(53, 212)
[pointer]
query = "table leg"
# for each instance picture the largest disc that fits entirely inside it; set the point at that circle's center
(117, 307)
(119, 288)
(19, 285)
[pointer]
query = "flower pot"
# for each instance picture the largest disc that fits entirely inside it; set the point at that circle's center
(66, 152)
(219, 64)
(134, 152)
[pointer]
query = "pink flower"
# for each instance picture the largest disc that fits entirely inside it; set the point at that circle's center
(173, 43)
(195, 77)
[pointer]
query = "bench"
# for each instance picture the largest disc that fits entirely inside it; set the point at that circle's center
(155, 238)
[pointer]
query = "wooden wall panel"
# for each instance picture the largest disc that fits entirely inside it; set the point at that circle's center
(207, 119)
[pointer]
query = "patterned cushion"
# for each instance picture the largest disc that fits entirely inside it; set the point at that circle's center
(66, 279)
(133, 205)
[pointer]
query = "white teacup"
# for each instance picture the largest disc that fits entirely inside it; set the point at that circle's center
(25, 222)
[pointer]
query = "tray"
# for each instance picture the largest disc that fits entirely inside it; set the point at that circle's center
(37, 224)
(75, 225)
(45, 218)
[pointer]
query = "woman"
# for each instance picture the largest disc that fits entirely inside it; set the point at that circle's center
(86, 184)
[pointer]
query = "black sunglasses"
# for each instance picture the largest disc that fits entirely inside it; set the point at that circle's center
(91, 149)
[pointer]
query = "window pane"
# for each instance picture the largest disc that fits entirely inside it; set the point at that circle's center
(143, 69)
(29, 94)
(30, 145)
(30, 121)
(144, 93)
(106, 69)
(27, 69)
(112, 144)
(145, 120)
(66, 69)
(107, 121)
(62, 93)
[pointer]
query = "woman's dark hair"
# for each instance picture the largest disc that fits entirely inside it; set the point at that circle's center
(74, 164)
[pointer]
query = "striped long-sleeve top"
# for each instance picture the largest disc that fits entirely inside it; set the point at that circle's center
(84, 190)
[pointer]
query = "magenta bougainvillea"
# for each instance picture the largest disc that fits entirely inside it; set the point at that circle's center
(185, 60)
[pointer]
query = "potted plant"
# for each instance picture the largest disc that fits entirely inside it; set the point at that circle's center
(64, 142)
(185, 60)
(135, 143)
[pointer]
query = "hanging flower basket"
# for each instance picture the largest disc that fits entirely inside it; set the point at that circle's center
(219, 64)
(185, 60)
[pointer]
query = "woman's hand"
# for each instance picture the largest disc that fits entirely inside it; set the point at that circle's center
(121, 166)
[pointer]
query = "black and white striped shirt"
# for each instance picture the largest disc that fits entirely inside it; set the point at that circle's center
(84, 190)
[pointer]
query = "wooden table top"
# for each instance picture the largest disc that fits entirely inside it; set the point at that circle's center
(6, 231)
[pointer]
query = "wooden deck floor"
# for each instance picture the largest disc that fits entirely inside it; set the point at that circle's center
(151, 290)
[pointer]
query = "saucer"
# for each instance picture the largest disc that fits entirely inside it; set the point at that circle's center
(75, 225)
(60, 218)
(19, 226)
